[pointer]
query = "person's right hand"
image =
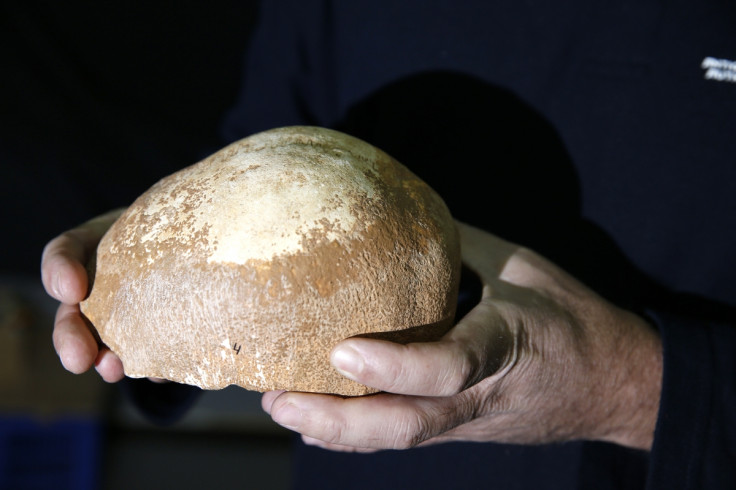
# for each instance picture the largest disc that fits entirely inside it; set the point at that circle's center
(64, 276)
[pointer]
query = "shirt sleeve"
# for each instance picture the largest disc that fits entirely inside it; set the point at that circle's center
(695, 438)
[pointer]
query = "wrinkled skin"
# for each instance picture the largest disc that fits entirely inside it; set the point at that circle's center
(541, 358)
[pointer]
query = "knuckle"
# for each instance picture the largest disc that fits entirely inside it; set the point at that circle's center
(400, 375)
(413, 429)
(466, 374)
(416, 374)
(329, 429)
(451, 383)
(394, 376)
(459, 375)
(334, 432)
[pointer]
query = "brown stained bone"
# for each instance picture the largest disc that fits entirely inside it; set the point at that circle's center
(248, 267)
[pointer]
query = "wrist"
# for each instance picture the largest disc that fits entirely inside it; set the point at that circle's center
(636, 386)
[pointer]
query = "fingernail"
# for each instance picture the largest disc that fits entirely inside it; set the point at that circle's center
(289, 416)
(347, 361)
(60, 353)
(57, 285)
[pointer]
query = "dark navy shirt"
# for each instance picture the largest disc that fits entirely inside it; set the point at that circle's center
(601, 134)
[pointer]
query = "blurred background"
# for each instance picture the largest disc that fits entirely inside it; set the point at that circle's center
(97, 103)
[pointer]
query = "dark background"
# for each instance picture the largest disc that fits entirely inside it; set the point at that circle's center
(100, 100)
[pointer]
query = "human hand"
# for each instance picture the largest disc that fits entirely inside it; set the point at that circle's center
(64, 277)
(541, 358)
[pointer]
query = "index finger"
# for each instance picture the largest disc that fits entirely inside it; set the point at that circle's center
(483, 252)
(382, 421)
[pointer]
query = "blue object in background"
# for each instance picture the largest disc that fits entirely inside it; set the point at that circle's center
(54, 454)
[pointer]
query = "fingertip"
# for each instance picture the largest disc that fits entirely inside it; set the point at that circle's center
(74, 343)
(421, 368)
(109, 366)
(72, 282)
(288, 415)
(376, 363)
(348, 361)
(76, 355)
(64, 280)
(63, 271)
(50, 275)
(268, 398)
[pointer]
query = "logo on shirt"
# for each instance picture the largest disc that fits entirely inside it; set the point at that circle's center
(719, 70)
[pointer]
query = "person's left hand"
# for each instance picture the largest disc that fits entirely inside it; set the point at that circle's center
(541, 358)
(64, 277)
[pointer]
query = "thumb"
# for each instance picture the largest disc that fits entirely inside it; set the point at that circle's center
(480, 345)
